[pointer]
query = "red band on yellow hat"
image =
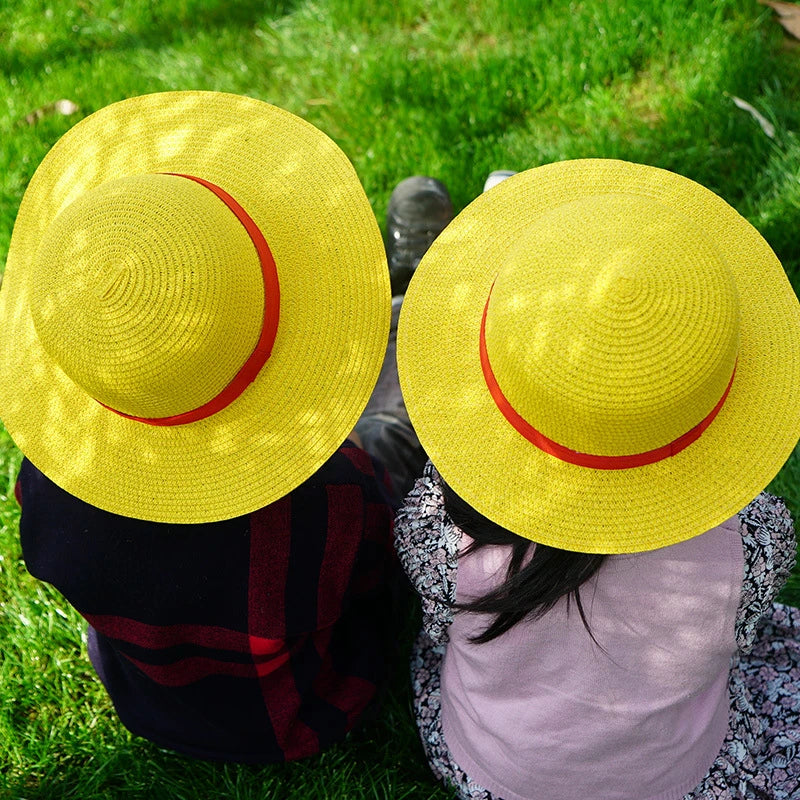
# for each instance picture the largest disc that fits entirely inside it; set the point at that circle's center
(269, 328)
(590, 460)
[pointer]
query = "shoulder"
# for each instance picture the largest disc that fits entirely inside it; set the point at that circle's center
(423, 507)
(350, 471)
(424, 533)
(427, 545)
(348, 463)
(768, 542)
(767, 528)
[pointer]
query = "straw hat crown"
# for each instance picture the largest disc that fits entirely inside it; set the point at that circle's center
(613, 326)
(602, 357)
(148, 293)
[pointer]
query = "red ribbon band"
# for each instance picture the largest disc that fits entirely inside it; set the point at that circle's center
(269, 327)
(573, 456)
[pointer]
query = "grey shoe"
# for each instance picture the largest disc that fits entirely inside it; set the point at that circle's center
(497, 176)
(419, 210)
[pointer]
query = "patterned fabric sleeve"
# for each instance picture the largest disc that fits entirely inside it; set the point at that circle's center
(768, 539)
(427, 544)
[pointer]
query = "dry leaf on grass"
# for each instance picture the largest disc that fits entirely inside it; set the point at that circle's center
(63, 107)
(765, 124)
(788, 15)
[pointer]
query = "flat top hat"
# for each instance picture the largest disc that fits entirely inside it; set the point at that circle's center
(195, 307)
(602, 356)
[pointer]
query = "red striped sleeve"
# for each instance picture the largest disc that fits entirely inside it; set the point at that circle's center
(189, 670)
(157, 637)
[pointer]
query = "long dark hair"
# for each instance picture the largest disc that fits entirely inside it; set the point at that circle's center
(530, 589)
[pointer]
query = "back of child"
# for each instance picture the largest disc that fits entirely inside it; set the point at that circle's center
(196, 304)
(260, 638)
(546, 710)
(599, 621)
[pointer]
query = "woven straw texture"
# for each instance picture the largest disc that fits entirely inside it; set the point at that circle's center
(306, 199)
(620, 299)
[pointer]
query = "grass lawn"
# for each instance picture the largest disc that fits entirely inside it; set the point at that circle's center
(448, 88)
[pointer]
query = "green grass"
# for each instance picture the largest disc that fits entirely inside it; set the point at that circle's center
(452, 89)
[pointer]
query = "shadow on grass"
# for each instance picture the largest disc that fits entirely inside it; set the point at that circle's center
(382, 759)
(160, 24)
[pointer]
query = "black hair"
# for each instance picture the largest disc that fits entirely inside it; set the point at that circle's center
(530, 589)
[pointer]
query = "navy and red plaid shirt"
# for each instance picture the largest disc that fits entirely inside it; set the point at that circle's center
(259, 639)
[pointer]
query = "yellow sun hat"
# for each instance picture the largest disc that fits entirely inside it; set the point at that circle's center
(602, 357)
(195, 307)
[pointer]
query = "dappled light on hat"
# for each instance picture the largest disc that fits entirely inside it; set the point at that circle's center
(613, 327)
(148, 294)
(176, 142)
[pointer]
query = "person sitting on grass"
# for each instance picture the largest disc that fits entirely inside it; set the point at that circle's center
(195, 310)
(602, 361)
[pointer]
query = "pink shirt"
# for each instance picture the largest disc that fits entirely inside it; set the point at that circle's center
(542, 713)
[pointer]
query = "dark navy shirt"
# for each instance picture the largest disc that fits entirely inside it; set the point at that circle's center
(259, 639)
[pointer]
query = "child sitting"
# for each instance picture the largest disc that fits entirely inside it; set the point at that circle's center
(195, 310)
(602, 361)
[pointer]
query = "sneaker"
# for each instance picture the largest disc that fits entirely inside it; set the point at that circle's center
(497, 176)
(419, 210)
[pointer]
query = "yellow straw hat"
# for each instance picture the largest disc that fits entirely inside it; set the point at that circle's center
(195, 307)
(603, 357)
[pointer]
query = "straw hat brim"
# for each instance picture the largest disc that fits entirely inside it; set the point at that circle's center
(506, 478)
(306, 198)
